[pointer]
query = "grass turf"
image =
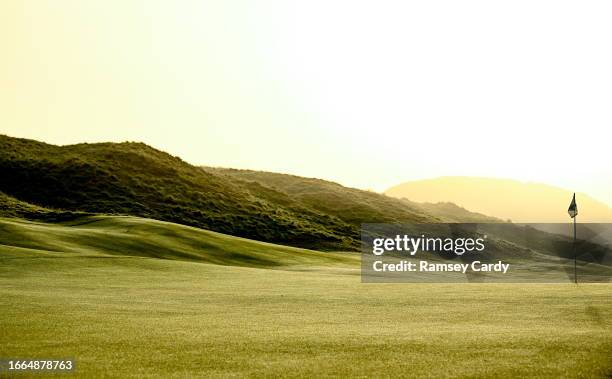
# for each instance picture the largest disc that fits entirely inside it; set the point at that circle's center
(96, 289)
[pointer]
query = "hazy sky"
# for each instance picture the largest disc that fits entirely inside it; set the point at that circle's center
(369, 94)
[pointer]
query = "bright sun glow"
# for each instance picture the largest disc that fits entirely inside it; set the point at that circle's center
(369, 94)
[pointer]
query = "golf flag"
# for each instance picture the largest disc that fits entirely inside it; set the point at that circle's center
(573, 208)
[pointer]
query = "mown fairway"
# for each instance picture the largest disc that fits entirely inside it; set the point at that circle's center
(135, 297)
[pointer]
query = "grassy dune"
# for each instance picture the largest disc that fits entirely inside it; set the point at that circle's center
(95, 289)
(112, 236)
(135, 179)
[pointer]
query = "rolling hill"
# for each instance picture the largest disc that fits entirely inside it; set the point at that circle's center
(60, 183)
(504, 198)
(451, 212)
(47, 181)
(127, 236)
(352, 205)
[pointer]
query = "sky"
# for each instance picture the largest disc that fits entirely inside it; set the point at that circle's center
(365, 93)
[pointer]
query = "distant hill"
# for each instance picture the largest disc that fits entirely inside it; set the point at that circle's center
(45, 181)
(451, 212)
(504, 198)
(352, 205)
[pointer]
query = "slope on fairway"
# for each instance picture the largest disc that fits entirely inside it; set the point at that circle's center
(127, 316)
(132, 236)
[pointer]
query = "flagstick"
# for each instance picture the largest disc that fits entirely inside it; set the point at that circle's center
(575, 277)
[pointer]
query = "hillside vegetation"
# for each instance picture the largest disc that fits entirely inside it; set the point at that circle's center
(11, 207)
(135, 179)
(451, 212)
(351, 205)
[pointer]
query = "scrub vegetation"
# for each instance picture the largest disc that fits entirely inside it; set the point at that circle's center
(135, 179)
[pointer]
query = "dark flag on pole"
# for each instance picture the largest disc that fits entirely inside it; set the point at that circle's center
(573, 208)
(573, 212)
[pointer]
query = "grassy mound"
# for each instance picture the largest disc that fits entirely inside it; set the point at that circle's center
(135, 179)
(117, 236)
